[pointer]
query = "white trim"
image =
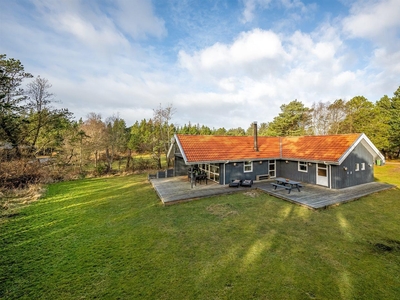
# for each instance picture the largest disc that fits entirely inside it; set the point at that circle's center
(181, 149)
(224, 173)
(303, 163)
(269, 170)
(327, 175)
(171, 148)
(244, 166)
(375, 152)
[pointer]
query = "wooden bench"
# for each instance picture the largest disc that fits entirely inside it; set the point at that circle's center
(262, 177)
(288, 187)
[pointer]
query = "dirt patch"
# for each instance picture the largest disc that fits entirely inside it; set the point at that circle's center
(222, 210)
(387, 246)
(252, 193)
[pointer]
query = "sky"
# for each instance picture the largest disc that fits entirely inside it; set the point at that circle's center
(219, 63)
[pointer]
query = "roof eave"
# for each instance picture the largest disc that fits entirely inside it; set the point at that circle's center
(361, 138)
(181, 149)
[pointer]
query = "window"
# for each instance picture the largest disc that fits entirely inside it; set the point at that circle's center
(272, 172)
(362, 166)
(303, 166)
(357, 167)
(248, 166)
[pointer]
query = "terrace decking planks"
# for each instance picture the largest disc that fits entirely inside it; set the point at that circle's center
(177, 189)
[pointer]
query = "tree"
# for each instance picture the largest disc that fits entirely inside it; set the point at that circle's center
(116, 138)
(336, 115)
(390, 110)
(236, 132)
(394, 122)
(319, 118)
(41, 115)
(95, 130)
(294, 119)
(219, 131)
(362, 116)
(12, 74)
(163, 132)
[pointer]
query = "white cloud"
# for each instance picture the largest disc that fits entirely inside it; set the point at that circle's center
(100, 57)
(373, 19)
(249, 48)
(250, 6)
(136, 18)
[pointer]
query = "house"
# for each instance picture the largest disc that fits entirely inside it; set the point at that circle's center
(333, 161)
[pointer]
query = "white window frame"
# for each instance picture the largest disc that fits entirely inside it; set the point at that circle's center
(362, 166)
(303, 164)
(247, 164)
(272, 173)
(357, 167)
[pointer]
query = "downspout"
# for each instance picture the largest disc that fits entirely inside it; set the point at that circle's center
(224, 173)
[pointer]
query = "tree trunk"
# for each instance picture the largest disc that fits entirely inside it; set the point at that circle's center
(128, 159)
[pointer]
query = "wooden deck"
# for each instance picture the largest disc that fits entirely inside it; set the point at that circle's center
(178, 189)
(318, 197)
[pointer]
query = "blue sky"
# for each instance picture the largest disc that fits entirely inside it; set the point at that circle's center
(219, 63)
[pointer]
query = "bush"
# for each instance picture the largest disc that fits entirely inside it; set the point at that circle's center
(20, 173)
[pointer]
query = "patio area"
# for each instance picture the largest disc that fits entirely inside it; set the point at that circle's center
(178, 189)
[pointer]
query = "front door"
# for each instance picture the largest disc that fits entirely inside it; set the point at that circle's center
(322, 174)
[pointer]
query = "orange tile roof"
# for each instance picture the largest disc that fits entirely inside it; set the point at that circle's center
(208, 148)
(322, 147)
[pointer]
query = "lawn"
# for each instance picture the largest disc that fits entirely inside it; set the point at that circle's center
(110, 238)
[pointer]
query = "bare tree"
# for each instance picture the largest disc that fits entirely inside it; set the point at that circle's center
(95, 129)
(336, 115)
(41, 115)
(164, 130)
(319, 118)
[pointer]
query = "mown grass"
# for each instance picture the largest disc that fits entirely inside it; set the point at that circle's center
(110, 238)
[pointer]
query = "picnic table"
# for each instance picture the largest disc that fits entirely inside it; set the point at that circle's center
(287, 184)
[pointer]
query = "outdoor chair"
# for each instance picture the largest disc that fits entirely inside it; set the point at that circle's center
(235, 183)
(247, 183)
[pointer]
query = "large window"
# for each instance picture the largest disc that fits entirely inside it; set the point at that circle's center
(248, 166)
(302, 167)
(212, 171)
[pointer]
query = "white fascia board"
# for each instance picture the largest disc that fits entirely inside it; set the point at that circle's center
(171, 148)
(181, 149)
(315, 161)
(372, 149)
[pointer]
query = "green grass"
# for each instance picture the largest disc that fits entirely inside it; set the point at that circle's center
(110, 238)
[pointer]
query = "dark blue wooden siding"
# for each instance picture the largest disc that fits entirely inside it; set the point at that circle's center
(345, 178)
(180, 168)
(237, 172)
(290, 170)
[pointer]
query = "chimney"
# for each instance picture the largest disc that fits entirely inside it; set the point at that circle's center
(255, 136)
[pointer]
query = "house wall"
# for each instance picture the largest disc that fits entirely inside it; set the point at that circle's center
(290, 170)
(345, 178)
(233, 172)
(180, 168)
